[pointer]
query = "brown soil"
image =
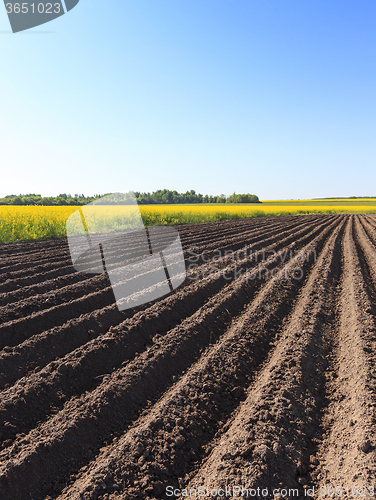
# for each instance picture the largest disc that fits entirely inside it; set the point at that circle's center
(266, 382)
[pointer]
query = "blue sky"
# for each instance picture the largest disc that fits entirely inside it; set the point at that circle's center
(271, 97)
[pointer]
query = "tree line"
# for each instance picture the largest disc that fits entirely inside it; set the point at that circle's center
(161, 196)
(37, 199)
(166, 196)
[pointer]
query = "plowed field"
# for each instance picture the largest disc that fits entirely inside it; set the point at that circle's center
(263, 380)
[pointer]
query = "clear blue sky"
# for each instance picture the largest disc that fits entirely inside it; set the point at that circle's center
(271, 97)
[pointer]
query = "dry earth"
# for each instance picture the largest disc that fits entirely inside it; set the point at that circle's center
(263, 380)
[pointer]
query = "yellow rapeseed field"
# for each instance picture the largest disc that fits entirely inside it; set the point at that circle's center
(178, 214)
(32, 222)
(22, 223)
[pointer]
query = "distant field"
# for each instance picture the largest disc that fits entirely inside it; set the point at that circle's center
(333, 202)
(23, 223)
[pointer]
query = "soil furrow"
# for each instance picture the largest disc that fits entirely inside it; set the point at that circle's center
(347, 454)
(13, 278)
(44, 286)
(208, 232)
(122, 395)
(51, 250)
(240, 377)
(29, 268)
(245, 237)
(12, 311)
(366, 252)
(31, 250)
(271, 441)
(15, 333)
(45, 300)
(14, 283)
(162, 447)
(100, 356)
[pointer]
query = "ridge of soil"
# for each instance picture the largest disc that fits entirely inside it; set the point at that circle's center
(265, 380)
